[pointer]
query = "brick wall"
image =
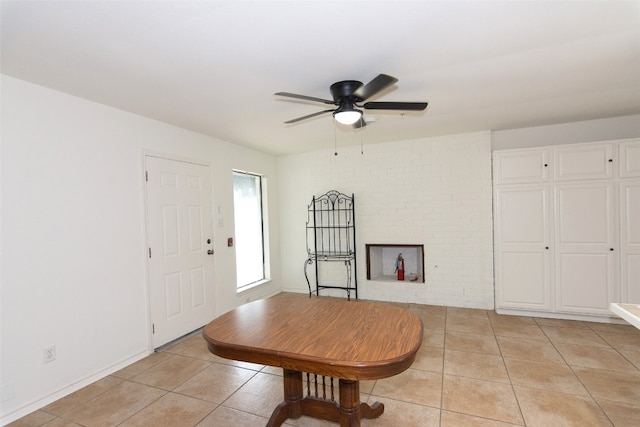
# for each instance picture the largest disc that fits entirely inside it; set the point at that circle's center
(431, 191)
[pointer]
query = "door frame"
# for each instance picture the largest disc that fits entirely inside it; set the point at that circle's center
(145, 238)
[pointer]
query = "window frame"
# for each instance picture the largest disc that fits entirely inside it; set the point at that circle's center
(262, 190)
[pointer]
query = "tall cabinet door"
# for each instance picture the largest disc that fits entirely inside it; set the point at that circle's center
(630, 241)
(523, 264)
(585, 262)
(630, 220)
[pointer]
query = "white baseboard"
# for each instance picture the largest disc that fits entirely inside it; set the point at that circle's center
(565, 316)
(65, 391)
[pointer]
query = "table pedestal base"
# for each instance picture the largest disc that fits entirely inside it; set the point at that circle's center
(348, 413)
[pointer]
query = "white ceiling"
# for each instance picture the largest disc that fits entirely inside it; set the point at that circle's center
(214, 66)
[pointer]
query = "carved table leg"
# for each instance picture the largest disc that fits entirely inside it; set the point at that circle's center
(349, 413)
(349, 403)
(291, 407)
(351, 410)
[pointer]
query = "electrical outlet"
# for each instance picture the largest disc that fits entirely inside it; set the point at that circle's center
(6, 392)
(49, 354)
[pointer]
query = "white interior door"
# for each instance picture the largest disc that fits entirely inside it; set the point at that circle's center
(181, 264)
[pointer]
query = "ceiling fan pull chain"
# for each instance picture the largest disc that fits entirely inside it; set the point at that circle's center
(335, 139)
(362, 131)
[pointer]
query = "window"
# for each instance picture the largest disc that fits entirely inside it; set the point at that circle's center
(249, 214)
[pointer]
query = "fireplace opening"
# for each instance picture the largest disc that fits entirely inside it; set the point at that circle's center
(395, 262)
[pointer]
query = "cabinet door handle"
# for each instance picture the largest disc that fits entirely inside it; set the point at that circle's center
(547, 247)
(610, 160)
(611, 249)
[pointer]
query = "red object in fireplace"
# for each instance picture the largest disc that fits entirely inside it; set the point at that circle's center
(400, 267)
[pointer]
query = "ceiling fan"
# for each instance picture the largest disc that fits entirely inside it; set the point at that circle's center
(349, 94)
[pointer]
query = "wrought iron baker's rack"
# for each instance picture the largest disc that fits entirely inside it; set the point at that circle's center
(331, 237)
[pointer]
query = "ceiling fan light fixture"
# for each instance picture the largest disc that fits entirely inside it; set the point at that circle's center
(347, 117)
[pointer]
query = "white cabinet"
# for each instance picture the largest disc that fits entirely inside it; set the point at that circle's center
(583, 161)
(567, 228)
(630, 159)
(521, 166)
(585, 247)
(630, 220)
(523, 236)
(630, 241)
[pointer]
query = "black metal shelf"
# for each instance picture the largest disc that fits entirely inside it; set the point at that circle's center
(331, 237)
(331, 255)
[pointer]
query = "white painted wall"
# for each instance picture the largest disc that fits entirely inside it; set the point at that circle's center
(568, 133)
(73, 267)
(431, 191)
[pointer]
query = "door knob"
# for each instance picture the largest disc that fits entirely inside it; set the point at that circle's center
(210, 252)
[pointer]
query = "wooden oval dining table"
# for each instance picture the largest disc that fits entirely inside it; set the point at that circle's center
(351, 340)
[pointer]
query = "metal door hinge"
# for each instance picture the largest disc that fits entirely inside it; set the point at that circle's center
(149, 252)
(146, 175)
(153, 328)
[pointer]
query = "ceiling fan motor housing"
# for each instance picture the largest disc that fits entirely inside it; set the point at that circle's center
(344, 90)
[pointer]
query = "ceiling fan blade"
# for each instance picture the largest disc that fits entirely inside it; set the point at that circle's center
(409, 106)
(359, 124)
(305, 97)
(381, 82)
(308, 116)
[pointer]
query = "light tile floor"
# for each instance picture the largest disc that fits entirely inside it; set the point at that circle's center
(475, 368)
